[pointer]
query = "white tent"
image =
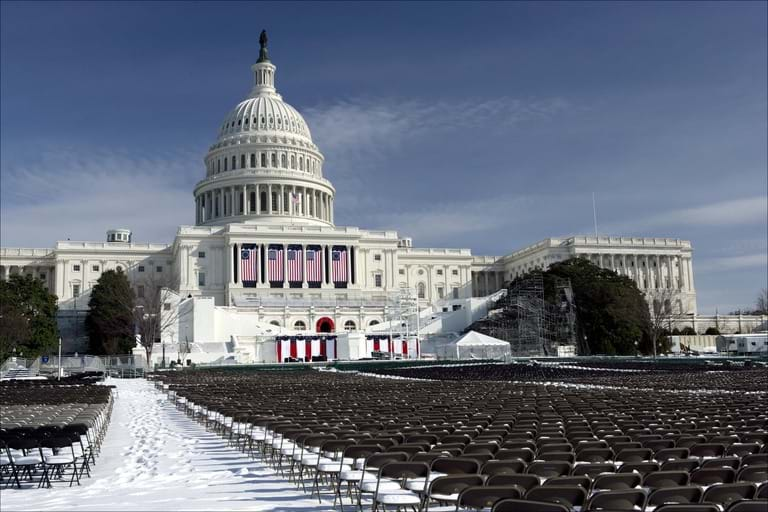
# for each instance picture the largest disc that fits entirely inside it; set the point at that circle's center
(475, 345)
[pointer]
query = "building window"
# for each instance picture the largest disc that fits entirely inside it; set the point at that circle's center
(75, 290)
(140, 291)
(377, 257)
(455, 292)
(274, 160)
(263, 159)
(377, 280)
(225, 164)
(401, 271)
(201, 279)
(201, 254)
(242, 161)
(439, 271)
(440, 292)
(141, 268)
(253, 160)
(95, 268)
(293, 162)
(76, 268)
(119, 268)
(300, 326)
(454, 272)
(158, 269)
(42, 277)
(282, 162)
(422, 291)
(234, 162)
(372, 323)
(166, 306)
(275, 322)
(349, 325)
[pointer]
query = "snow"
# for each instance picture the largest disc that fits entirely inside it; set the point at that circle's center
(156, 458)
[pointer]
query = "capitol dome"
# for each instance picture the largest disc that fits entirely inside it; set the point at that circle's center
(263, 166)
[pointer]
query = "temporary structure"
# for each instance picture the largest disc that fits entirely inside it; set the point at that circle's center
(475, 345)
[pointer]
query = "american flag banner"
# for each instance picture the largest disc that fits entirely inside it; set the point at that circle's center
(275, 270)
(314, 265)
(248, 264)
(339, 268)
(295, 264)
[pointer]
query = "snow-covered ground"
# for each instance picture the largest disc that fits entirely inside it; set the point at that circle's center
(155, 458)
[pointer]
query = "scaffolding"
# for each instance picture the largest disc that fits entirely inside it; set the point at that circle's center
(532, 325)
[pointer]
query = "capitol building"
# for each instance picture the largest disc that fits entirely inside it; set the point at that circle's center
(265, 257)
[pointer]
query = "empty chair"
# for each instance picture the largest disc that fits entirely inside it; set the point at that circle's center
(616, 481)
(677, 494)
(399, 472)
(688, 465)
(742, 449)
(486, 496)
(515, 505)
(724, 494)
(569, 457)
(594, 455)
(499, 467)
(748, 506)
(710, 476)
(665, 479)
(687, 508)
(582, 481)
(525, 482)
(762, 492)
(592, 470)
(666, 454)
(639, 467)
(446, 489)
(721, 462)
(629, 499)
(570, 496)
(755, 458)
(634, 455)
(549, 469)
(756, 474)
(525, 454)
(707, 450)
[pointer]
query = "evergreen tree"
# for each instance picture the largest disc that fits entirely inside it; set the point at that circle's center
(110, 320)
(611, 311)
(27, 318)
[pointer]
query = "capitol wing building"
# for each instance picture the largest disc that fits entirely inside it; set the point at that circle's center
(265, 258)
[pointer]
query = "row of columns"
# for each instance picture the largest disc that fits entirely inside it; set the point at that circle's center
(237, 200)
(235, 264)
(45, 273)
(254, 161)
(672, 272)
(486, 282)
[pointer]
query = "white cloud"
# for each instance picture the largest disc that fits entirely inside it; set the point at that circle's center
(79, 193)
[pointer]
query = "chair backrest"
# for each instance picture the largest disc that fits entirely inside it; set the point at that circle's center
(630, 499)
(593, 469)
(688, 465)
(571, 495)
(687, 508)
(525, 482)
(617, 481)
(707, 450)
(639, 467)
(486, 496)
(594, 455)
(665, 479)
(748, 506)
(524, 454)
(678, 494)
(377, 460)
(667, 454)
(453, 484)
(722, 462)
(582, 481)
(404, 470)
(756, 474)
(515, 505)
(500, 467)
(455, 465)
(549, 469)
(723, 494)
(710, 476)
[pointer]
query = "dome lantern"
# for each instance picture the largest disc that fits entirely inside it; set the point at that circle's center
(263, 71)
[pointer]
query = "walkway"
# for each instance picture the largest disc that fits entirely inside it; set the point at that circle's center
(155, 458)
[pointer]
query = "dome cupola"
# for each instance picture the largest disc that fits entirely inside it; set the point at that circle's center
(264, 167)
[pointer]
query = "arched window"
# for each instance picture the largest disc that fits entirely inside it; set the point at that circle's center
(301, 164)
(274, 322)
(293, 161)
(216, 207)
(274, 160)
(300, 326)
(349, 325)
(253, 202)
(372, 323)
(242, 161)
(225, 164)
(263, 159)
(274, 201)
(422, 291)
(234, 162)
(218, 166)
(253, 160)
(283, 163)
(263, 200)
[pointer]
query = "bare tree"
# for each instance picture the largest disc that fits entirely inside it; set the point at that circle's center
(761, 304)
(661, 318)
(156, 312)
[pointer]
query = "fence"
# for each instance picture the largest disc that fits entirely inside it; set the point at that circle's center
(122, 366)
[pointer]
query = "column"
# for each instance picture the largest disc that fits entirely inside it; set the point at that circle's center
(305, 202)
(689, 268)
(4, 272)
(349, 265)
(258, 199)
(279, 199)
(330, 210)
(230, 266)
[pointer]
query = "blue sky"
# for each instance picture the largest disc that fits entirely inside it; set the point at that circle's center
(474, 125)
